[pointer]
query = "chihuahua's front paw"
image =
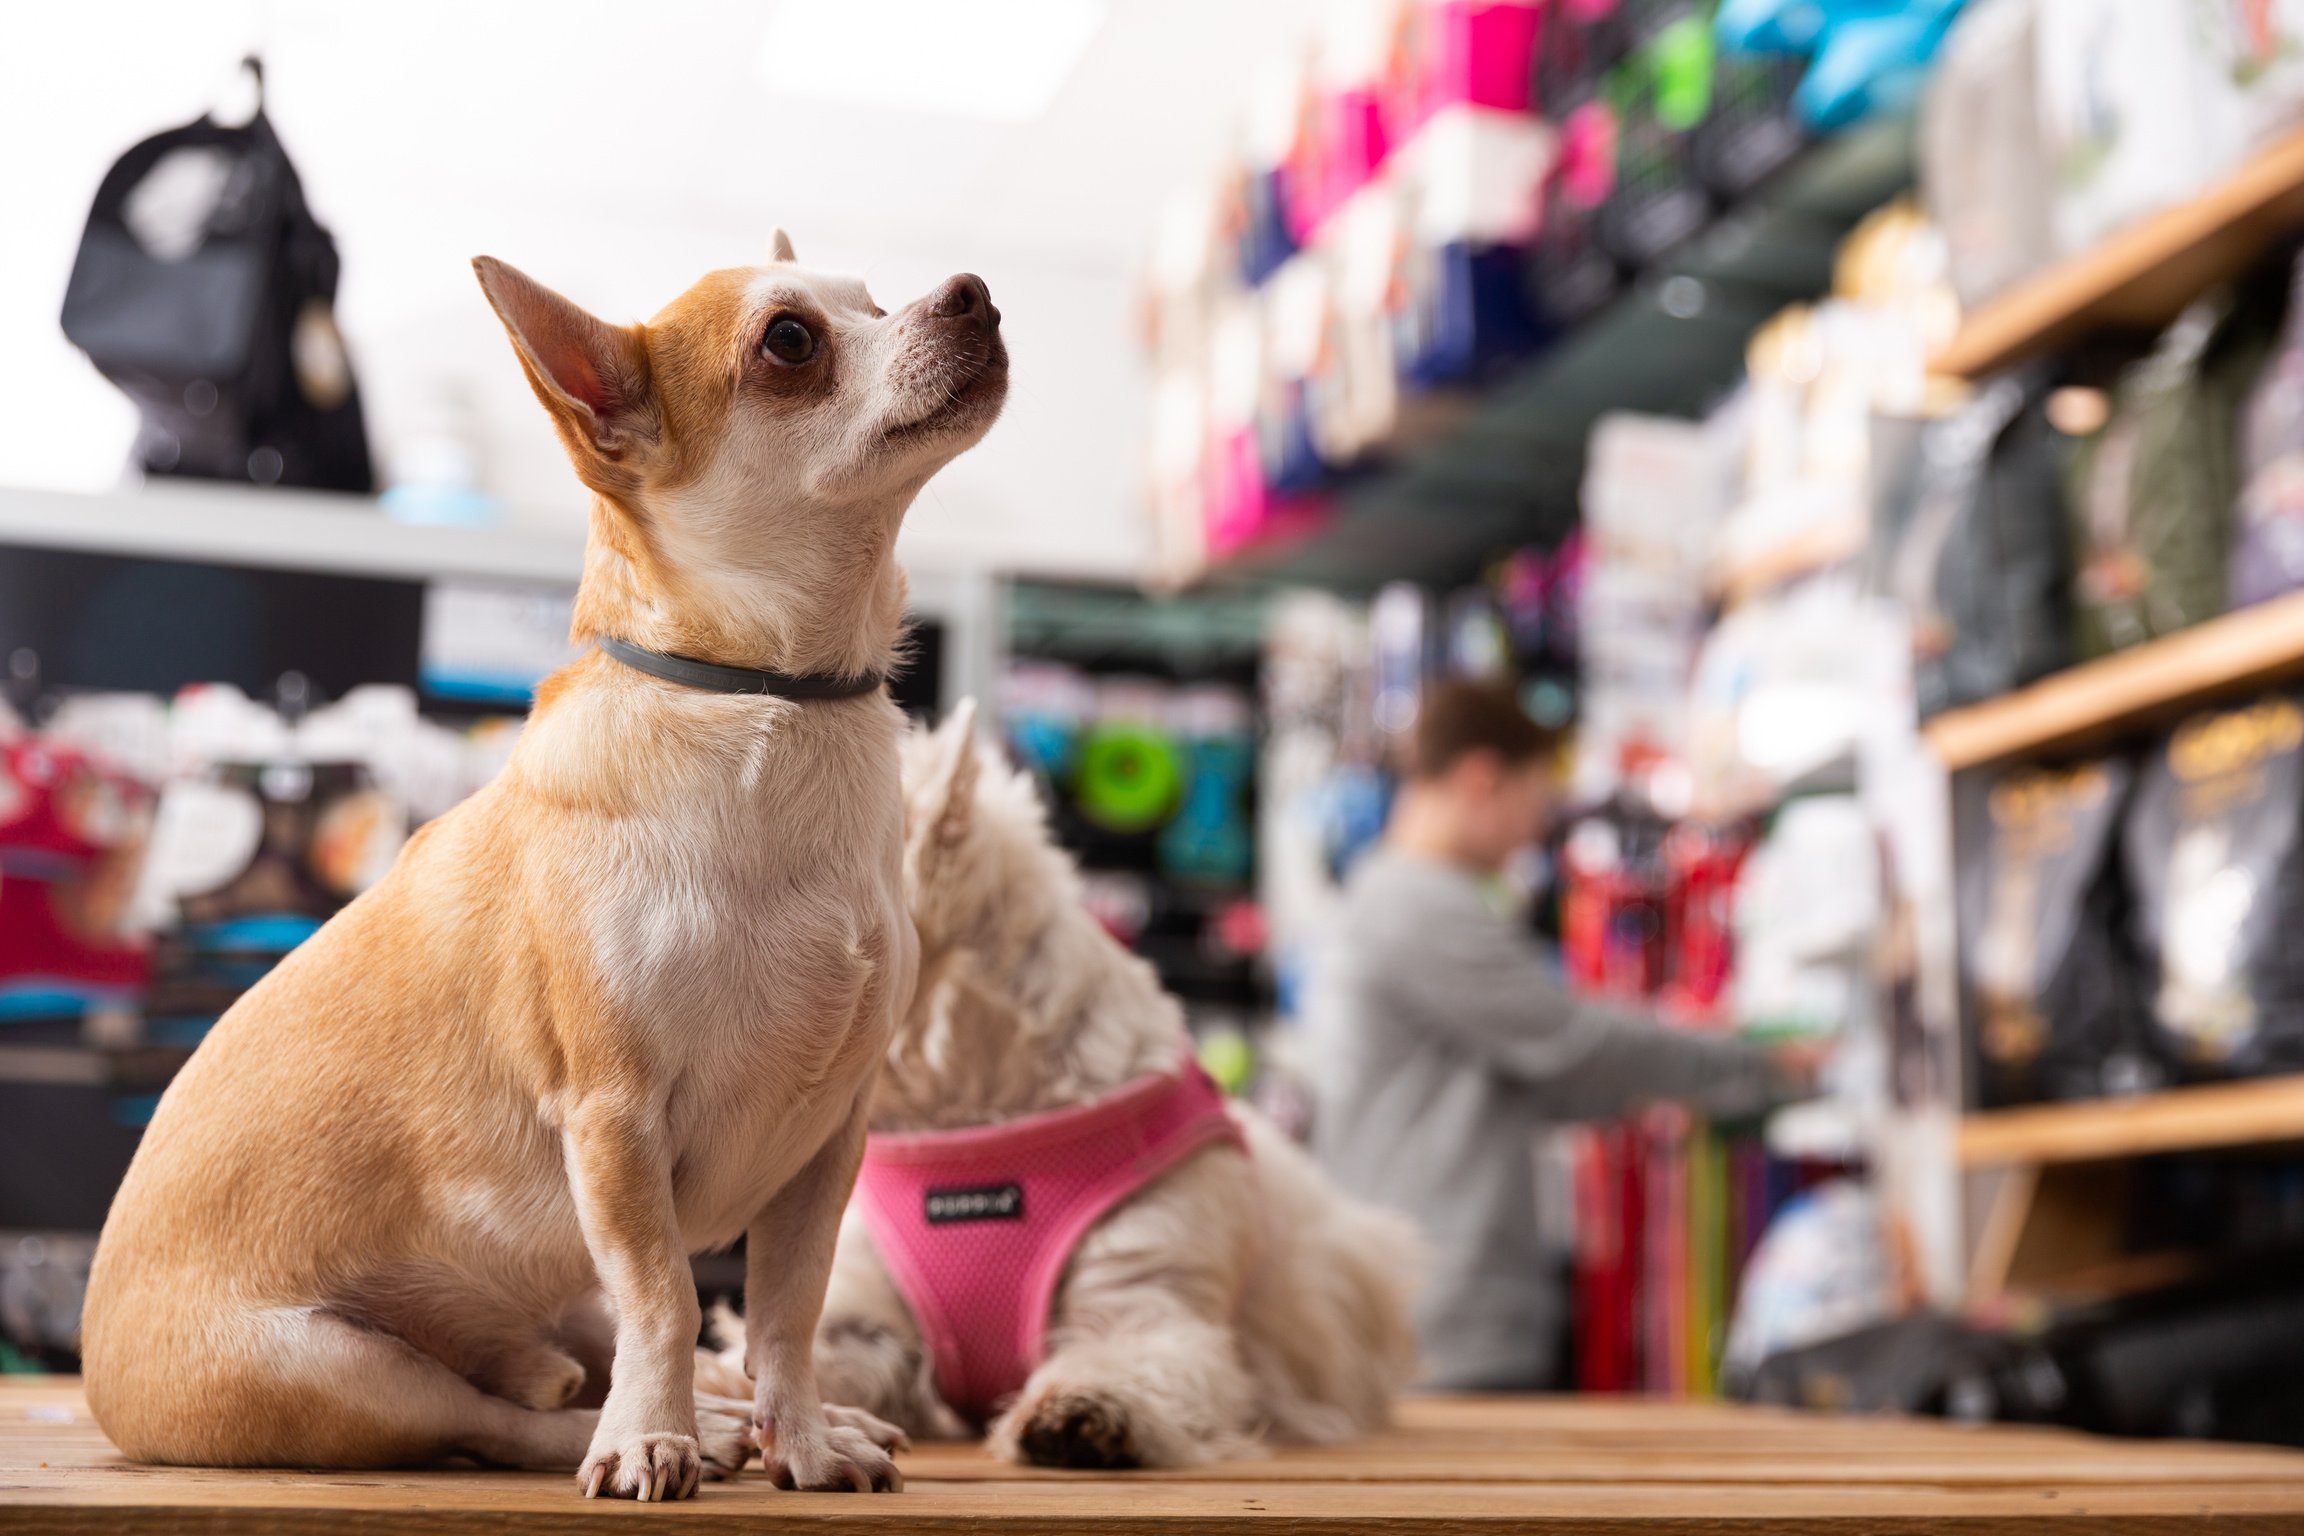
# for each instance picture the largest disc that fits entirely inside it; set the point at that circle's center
(650, 1468)
(839, 1458)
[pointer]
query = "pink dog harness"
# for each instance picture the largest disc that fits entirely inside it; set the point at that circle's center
(976, 1225)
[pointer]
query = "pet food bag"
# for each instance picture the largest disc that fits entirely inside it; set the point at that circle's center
(2268, 532)
(2216, 864)
(2151, 493)
(2056, 1004)
(1981, 566)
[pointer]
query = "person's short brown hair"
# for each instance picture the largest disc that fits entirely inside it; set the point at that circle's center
(1458, 717)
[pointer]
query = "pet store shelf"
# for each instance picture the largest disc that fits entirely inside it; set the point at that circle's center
(2180, 1120)
(1503, 463)
(2099, 699)
(2141, 277)
(279, 530)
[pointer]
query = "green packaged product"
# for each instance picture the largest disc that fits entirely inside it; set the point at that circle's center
(2152, 491)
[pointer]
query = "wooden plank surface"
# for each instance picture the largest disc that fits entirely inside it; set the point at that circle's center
(1557, 1466)
(2130, 690)
(2182, 1119)
(2142, 276)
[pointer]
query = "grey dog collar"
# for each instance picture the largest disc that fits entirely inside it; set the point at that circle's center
(715, 678)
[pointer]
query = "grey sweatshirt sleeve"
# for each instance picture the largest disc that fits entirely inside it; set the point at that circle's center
(1472, 977)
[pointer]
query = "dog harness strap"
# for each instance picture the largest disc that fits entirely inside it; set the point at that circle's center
(977, 1225)
(715, 678)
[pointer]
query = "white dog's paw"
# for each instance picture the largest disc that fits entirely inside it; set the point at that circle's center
(877, 1430)
(723, 1436)
(837, 1459)
(1072, 1429)
(650, 1468)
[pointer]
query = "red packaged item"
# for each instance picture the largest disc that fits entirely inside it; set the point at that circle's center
(71, 839)
(1699, 918)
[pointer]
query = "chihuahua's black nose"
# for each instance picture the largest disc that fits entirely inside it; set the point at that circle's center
(965, 298)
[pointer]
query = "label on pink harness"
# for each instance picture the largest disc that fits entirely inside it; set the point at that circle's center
(976, 1225)
(986, 1202)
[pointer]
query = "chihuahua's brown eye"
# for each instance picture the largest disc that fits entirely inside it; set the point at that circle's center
(788, 341)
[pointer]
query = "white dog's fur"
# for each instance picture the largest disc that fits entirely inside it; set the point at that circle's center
(427, 1180)
(1231, 1299)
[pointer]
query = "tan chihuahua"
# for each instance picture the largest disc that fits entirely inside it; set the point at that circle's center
(428, 1190)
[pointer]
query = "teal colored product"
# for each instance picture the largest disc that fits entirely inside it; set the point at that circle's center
(1871, 56)
(1871, 68)
(56, 997)
(184, 1031)
(1209, 843)
(135, 1110)
(268, 933)
(1129, 778)
(1044, 740)
(1805, 26)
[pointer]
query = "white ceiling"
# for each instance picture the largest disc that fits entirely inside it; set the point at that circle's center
(616, 150)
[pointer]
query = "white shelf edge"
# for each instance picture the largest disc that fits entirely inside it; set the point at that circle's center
(278, 530)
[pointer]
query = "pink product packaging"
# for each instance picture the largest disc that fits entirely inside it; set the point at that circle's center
(1243, 510)
(1347, 145)
(1466, 53)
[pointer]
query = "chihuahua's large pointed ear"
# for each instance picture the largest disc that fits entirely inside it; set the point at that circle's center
(591, 376)
(947, 800)
(780, 249)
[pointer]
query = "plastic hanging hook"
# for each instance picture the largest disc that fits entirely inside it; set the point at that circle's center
(244, 100)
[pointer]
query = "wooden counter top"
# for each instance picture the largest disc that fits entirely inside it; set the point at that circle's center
(1552, 1465)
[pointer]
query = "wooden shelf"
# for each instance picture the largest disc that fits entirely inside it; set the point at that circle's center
(2101, 699)
(2144, 275)
(2181, 1120)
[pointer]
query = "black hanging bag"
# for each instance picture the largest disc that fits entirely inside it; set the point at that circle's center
(205, 289)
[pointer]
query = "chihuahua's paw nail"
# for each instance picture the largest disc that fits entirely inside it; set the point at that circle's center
(650, 1468)
(877, 1430)
(842, 1460)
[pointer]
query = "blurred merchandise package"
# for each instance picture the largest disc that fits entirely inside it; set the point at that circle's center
(72, 831)
(1654, 490)
(1822, 1270)
(1986, 179)
(2136, 114)
(1980, 562)
(2152, 491)
(1808, 910)
(2268, 532)
(2215, 858)
(2257, 47)
(2057, 1001)
(1790, 690)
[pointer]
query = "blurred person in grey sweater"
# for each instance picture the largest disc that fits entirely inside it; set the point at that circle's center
(1448, 1039)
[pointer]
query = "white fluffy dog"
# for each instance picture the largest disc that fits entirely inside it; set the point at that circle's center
(1234, 1296)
